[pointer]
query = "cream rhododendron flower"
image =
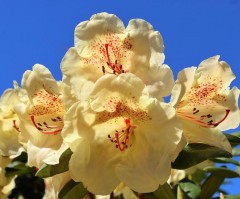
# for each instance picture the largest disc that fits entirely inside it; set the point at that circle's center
(41, 118)
(121, 135)
(9, 130)
(205, 104)
(104, 46)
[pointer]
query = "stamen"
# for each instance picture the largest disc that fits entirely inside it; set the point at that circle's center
(219, 122)
(108, 57)
(15, 126)
(116, 67)
(200, 121)
(121, 138)
(45, 128)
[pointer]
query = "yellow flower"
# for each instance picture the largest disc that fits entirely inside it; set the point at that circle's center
(41, 117)
(121, 135)
(104, 46)
(205, 104)
(9, 129)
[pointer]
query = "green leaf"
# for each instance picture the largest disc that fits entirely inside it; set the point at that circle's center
(193, 154)
(222, 172)
(236, 134)
(234, 138)
(238, 170)
(215, 180)
(198, 176)
(17, 168)
(73, 190)
(148, 196)
(190, 189)
(51, 170)
(236, 152)
(211, 185)
(164, 191)
(232, 196)
(226, 160)
(21, 158)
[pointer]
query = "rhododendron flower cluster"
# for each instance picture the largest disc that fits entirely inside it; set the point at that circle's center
(109, 111)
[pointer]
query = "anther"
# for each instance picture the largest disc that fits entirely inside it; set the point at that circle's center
(103, 69)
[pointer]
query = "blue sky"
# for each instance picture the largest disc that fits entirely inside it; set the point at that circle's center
(42, 31)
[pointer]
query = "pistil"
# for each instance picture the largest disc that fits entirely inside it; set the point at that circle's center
(121, 138)
(115, 67)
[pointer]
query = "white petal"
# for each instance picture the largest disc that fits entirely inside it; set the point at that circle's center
(160, 82)
(149, 158)
(210, 136)
(30, 132)
(147, 43)
(72, 65)
(212, 67)
(233, 119)
(98, 24)
(33, 80)
(76, 125)
(183, 84)
(92, 164)
(9, 130)
(110, 85)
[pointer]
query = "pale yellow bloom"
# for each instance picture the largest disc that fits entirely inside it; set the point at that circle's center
(9, 122)
(41, 117)
(121, 135)
(205, 104)
(104, 46)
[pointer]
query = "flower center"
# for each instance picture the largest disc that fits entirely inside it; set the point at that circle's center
(47, 113)
(115, 67)
(109, 52)
(54, 124)
(121, 138)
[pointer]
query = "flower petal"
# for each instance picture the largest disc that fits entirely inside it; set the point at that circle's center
(92, 164)
(151, 163)
(9, 123)
(148, 44)
(213, 67)
(98, 24)
(160, 82)
(210, 136)
(124, 84)
(182, 85)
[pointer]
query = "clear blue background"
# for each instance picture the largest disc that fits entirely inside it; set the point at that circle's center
(193, 30)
